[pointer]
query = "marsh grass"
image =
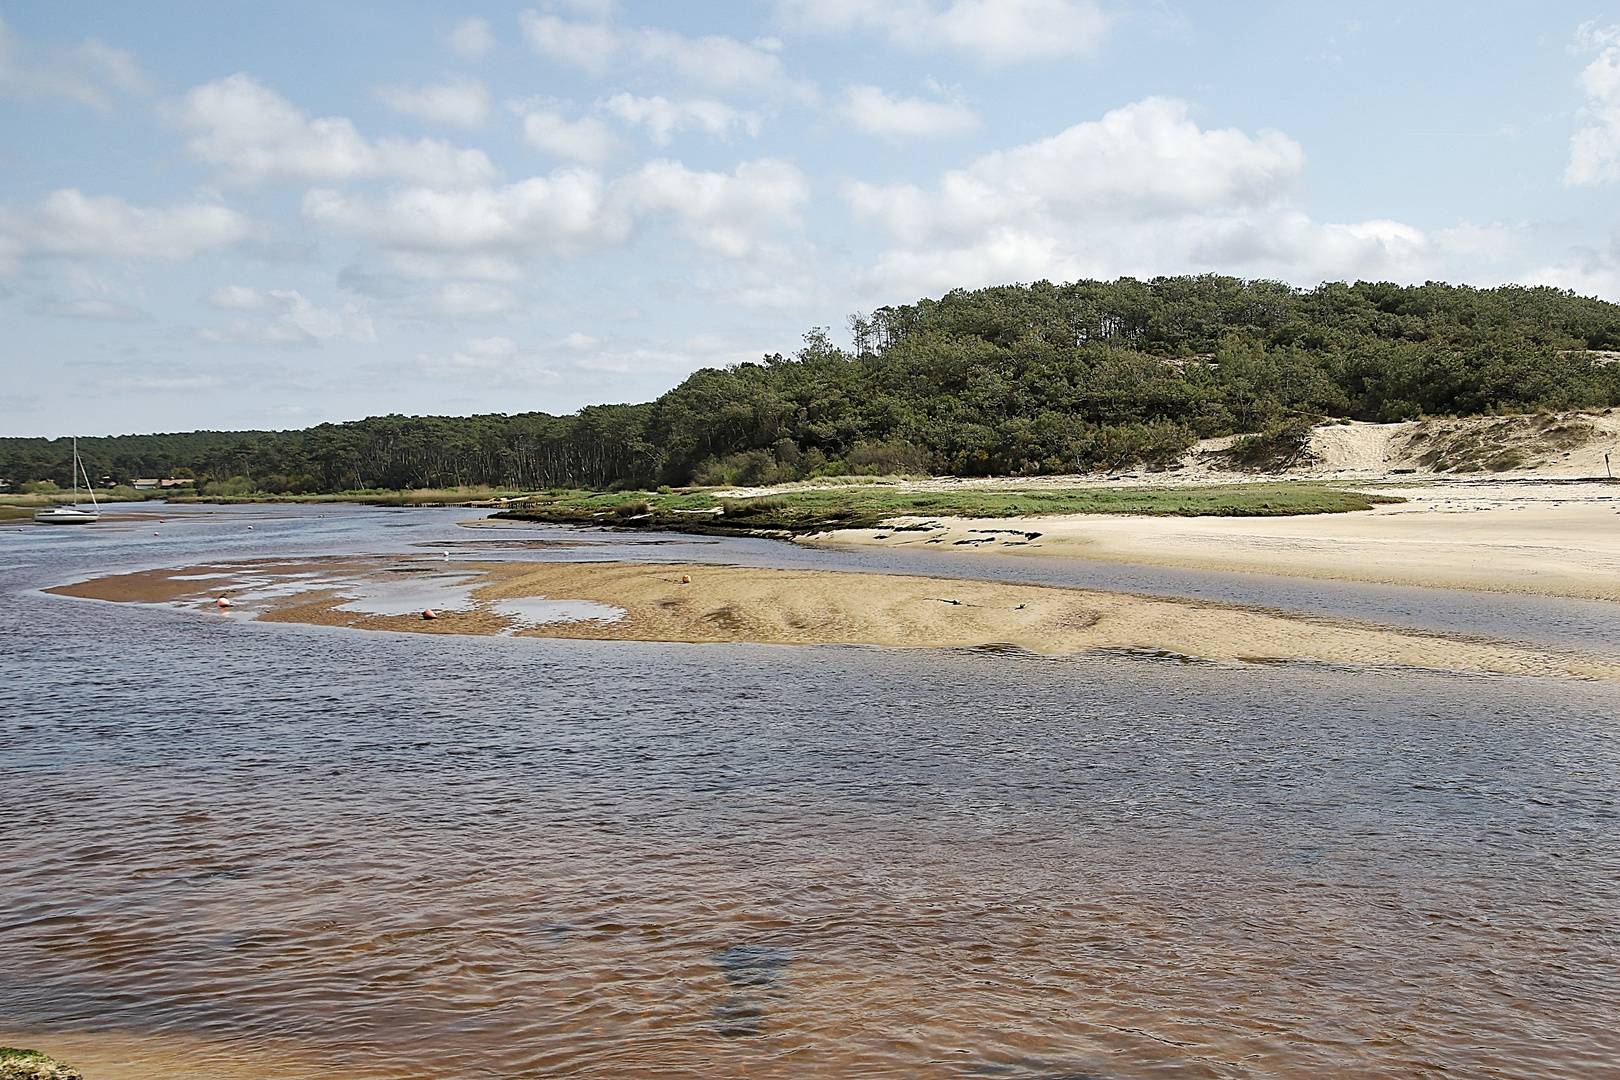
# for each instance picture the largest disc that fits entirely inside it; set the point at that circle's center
(462, 496)
(816, 509)
(18, 1064)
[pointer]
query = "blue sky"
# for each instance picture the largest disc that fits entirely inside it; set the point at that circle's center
(231, 215)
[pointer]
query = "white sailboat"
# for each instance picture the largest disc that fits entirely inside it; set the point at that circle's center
(72, 515)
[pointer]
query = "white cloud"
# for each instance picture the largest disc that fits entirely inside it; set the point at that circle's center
(478, 358)
(476, 266)
(501, 361)
(878, 113)
(471, 38)
(663, 117)
(460, 103)
(1143, 190)
(592, 46)
(276, 335)
(241, 298)
(1586, 270)
(572, 212)
(98, 310)
(299, 323)
(721, 63)
(466, 301)
(728, 215)
(716, 62)
(255, 135)
(1594, 150)
(1480, 243)
(1302, 249)
(154, 381)
(67, 222)
(999, 31)
(587, 139)
(1140, 161)
(351, 323)
(84, 73)
(567, 213)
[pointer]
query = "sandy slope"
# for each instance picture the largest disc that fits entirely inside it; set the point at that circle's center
(1552, 445)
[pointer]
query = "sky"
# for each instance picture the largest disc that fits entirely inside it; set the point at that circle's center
(231, 215)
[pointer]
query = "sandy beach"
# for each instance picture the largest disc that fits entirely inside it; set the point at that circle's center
(1546, 539)
(706, 603)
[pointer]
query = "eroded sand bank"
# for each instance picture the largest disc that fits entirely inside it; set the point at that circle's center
(642, 602)
(1544, 540)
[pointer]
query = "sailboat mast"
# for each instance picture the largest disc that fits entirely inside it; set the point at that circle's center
(88, 486)
(76, 471)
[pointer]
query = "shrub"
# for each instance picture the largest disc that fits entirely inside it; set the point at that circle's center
(750, 468)
(1281, 444)
(887, 459)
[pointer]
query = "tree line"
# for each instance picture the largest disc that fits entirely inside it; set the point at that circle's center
(1015, 379)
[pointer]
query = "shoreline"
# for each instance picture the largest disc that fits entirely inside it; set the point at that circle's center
(1561, 540)
(705, 603)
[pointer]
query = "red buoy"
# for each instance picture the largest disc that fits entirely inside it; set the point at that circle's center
(429, 614)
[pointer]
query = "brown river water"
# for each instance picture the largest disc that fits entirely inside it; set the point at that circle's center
(234, 848)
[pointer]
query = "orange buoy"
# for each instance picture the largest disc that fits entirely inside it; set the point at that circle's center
(223, 601)
(429, 614)
(686, 579)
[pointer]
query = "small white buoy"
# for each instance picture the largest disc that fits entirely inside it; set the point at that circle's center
(429, 614)
(250, 528)
(447, 555)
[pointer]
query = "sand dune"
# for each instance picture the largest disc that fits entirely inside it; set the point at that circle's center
(1544, 446)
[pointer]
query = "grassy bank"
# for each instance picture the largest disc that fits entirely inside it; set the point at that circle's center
(41, 499)
(22, 505)
(463, 496)
(810, 510)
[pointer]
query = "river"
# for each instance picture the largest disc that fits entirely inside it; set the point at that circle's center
(310, 851)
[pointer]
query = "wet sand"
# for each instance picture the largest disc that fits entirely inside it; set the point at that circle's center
(708, 603)
(123, 1055)
(1539, 540)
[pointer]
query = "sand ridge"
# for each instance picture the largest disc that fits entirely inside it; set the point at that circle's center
(701, 603)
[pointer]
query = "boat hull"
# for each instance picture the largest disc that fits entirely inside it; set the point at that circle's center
(63, 515)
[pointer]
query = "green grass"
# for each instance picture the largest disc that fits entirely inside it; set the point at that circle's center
(368, 497)
(18, 1064)
(815, 509)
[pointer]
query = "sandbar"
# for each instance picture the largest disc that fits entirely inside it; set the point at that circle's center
(701, 603)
